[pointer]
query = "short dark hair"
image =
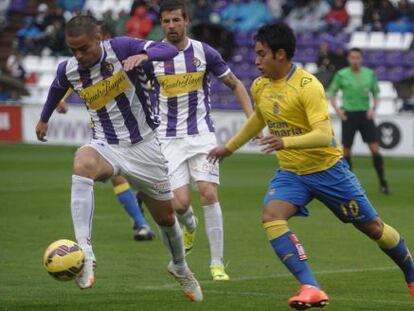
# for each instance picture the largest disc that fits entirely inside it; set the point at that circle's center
(170, 5)
(358, 50)
(105, 29)
(277, 36)
(80, 25)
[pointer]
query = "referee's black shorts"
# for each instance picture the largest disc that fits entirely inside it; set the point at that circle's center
(358, 121)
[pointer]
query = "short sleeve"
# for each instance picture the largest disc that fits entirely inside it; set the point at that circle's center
(335, 85)
(215, 62)
(374, 87)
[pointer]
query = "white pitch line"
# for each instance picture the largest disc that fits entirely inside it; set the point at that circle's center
(282, 275)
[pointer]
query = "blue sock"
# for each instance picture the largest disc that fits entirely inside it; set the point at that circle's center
(130, 204)
(402, 257)
(291, 253)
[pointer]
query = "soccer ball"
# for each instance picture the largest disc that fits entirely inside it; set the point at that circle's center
(63, 260)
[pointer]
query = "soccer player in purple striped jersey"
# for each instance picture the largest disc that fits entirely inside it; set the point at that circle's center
(186, 129)
(110, 78)
(121, 187)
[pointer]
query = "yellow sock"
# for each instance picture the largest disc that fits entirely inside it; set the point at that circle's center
(275, 229)
(121, 188)
(390, 238)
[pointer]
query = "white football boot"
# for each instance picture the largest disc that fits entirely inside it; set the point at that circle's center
(87, 278)
(188, 283)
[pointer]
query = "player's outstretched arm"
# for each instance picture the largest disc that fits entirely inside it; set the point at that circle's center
(239, 92)
(134, 61)
(140, 51)
(251, 129)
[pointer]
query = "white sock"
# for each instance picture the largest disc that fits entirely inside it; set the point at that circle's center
(187, 219)
(213, 219)
(173, 240)
(82, 207)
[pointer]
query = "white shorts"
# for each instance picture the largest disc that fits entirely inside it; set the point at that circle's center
(142, 164)
(187, 159)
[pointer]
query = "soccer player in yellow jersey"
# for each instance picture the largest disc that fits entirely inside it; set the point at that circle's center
(292, 104)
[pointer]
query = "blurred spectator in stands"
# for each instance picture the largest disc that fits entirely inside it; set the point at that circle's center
(71, 5)
(4, 6)
(377, 13)
(55, 39)
(15, 67)
(245, 16)
(30, 37)
(42, 19)
(337, 18)
(139, 25)
(308, 15)
(5, 94)
(201, 11)
(120, 22)
(110, 20)
(404, 23)
(326, 57)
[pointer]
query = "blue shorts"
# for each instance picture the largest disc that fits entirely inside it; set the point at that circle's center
(337, 187)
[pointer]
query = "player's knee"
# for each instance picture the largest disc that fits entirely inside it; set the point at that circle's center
(209, 195)
(373, 229)
(166, 219)
(85, 167)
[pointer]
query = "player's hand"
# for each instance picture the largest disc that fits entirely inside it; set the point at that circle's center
(62, 107)
(41, 131)
(134, 61)
(342, 114)
(271, 143)
(218, 154)
(370, 114)
(259, 136)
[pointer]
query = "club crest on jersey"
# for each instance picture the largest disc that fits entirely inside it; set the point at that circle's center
(107, 67)
(196, 62)
(305, 81)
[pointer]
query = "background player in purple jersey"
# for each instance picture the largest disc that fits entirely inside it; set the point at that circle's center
(109, 76)
(122, 189)
(186, 130)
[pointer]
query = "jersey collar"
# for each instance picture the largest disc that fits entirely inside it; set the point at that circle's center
(291, 72)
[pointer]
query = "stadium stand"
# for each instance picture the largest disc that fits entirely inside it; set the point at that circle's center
(389, 54)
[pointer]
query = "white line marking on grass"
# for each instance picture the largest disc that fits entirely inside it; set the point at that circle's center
(283, 275)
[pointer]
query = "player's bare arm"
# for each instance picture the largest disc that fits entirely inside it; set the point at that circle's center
(239, 91)
(339, 112)
(134, 61)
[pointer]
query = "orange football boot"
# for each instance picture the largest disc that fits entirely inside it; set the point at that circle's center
(309, 297)
(411, 287)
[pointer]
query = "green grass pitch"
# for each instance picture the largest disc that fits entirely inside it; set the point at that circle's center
(34, 211)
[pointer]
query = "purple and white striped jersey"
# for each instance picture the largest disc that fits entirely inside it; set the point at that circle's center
(182, 86)
(118, 102)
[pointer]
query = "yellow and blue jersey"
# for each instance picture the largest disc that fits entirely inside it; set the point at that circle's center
(289, 107)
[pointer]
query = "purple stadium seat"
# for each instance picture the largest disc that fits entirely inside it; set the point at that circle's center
(306, 39)
(374, 58)
(409, 58)
(394, 58)
(396, 74)
(381, 72)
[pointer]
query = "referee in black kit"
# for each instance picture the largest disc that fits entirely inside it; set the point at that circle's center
(357, 83)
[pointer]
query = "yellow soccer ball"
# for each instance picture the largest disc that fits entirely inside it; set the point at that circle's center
(63, 260)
